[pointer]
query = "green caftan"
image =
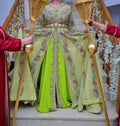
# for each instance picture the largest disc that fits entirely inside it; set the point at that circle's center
(60, 72)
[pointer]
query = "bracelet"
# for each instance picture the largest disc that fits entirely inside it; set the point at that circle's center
(115, 31)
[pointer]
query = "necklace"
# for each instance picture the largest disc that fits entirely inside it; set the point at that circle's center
(56, 5)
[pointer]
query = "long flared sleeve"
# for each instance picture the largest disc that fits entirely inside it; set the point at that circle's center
(72, 26)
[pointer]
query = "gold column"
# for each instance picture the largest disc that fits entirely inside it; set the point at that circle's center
(35, 7)
(84, 8)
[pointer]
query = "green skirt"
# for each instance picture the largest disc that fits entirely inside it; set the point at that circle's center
(53, 90)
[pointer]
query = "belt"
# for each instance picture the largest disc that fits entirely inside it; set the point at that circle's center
(56, 25)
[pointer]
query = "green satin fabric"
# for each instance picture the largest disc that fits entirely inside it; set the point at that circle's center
(54, 90)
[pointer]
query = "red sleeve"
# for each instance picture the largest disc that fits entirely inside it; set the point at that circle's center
(113, 30)
(8, 43)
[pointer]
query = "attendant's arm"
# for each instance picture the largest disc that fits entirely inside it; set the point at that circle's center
(108, 29)
(113, 30)
(98, 25)
(8, 43)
